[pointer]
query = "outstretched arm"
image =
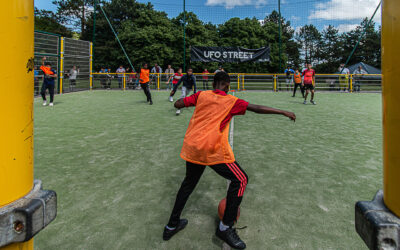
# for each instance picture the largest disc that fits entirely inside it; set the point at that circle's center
(259, 109)
(179, 104)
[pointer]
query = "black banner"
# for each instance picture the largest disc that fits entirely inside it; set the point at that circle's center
(228, 54)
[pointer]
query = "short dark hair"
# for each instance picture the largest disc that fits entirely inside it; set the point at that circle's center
(48, 64)
(221, 77)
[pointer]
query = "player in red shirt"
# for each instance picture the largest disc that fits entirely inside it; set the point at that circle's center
(206, 144)
(309, 79)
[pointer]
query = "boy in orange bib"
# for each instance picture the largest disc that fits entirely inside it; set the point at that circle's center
(206, 144)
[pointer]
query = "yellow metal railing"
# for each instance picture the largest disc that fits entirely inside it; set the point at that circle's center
(257, 81)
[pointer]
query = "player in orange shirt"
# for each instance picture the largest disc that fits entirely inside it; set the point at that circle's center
(206, 144)
(144, 79)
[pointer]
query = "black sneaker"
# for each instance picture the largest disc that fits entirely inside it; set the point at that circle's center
(231, 238)
(169, 233)
(151, 102)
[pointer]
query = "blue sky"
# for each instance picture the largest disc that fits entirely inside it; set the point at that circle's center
(343, 14)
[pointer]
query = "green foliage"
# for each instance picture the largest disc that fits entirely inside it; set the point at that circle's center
(48, 21)
(150, 36)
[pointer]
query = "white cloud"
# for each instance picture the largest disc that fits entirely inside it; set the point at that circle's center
(346, 27)
(346, 10)
(229, 4)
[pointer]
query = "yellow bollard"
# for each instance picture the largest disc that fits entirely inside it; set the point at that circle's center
(124, 81)
(243, 76)
(158, 81)
(391, 103)
(16, 144)
(351, 83)
(91, 66)
(238, 82)
(275, 83)
(61, 73)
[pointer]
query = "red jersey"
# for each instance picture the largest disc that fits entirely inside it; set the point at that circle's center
(205, 75)
(308, 76)
(176, 78)
(239, 108)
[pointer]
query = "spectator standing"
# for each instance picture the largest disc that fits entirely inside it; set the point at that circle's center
(73, 72)
(156, 71)
(343, 77)
(205, 79)
(289, 77)
(103, 77)
(358, 74)
(121, 70)
(169, 73)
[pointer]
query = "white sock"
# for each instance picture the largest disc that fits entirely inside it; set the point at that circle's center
(222, 227)
(170, 228)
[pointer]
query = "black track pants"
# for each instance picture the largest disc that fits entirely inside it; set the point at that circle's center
(230, 171)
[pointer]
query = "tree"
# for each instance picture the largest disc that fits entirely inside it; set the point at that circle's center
(47, 21)
(310, 40)
(330, 51)
(74, 12)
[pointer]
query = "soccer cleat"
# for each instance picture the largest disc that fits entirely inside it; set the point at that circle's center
(171, 99)
(169, 233)
(44, 103)
(231, 238)
(305, 102)
(178, 112)
(151, 102)
(313, 102)
(51, 104)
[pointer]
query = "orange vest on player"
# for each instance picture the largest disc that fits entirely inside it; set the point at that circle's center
(204, 143)
(297, 78)
(144, 75)
(46, 70)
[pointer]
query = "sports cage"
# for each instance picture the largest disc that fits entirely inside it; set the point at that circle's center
(63, 53)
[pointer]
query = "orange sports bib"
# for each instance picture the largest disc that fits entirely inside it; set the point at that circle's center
(204, 143)
(46, 70)
(297, 78)
(144, 75)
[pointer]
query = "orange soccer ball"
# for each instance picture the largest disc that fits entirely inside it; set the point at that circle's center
(221, 209)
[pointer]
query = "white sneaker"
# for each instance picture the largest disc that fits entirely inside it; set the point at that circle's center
(313, 102)
(178, 112)
(305, 102)
(44, 103)
(171, 99)
(51, 104)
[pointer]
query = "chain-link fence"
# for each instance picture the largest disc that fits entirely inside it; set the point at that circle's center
(69, 57)
(46, 45)
(76, 65)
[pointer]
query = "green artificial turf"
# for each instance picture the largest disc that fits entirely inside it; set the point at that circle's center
(114, 162)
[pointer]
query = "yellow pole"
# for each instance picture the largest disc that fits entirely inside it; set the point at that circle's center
(61, 65)
(274, 83)
(391, 104)
(91, 66)
(158, 81)
(238, 86)
(243, 76)
(124, 81)
(16, 144)
(351, 83)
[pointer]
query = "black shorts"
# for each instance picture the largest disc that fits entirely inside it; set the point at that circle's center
(308, 87)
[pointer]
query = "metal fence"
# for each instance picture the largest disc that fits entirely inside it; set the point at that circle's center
(242, 81)
(63, 54)
(77, 53)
